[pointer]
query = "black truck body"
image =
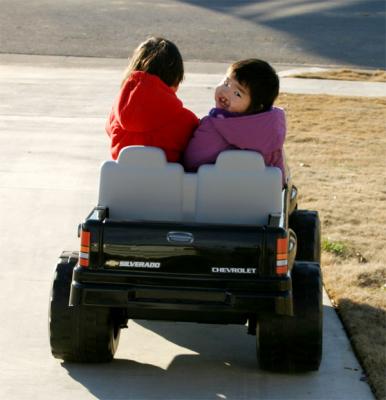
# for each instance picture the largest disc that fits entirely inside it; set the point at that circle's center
(216, 274)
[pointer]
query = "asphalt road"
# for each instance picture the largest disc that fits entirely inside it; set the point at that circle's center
(52, 142)
(334, 32)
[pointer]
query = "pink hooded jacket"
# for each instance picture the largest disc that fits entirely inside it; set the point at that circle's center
(264, 132)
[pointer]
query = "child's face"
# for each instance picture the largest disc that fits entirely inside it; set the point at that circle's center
(230, 95)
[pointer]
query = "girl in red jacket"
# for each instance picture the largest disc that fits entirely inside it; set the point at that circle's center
(147, 111)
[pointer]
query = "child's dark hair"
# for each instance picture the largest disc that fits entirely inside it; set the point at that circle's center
(261, 80)
(157, 56)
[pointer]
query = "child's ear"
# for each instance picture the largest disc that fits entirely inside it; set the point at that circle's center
(175, 87)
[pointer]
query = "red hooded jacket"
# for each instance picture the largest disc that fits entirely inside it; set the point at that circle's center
(147, 112)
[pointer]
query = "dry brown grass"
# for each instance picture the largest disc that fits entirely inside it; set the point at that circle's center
(346, 75)
(337, 151)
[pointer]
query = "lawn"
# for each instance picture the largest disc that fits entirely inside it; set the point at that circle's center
(336, 147)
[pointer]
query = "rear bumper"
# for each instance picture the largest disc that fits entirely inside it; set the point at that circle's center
(183, 298)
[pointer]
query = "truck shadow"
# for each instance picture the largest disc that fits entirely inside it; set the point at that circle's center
(219, 362)
(223, 356)
(216, 362)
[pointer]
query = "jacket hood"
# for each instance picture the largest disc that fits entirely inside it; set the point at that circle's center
(262, 132)
(138, 107)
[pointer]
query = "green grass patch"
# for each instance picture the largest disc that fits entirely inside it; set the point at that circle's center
(337, 248)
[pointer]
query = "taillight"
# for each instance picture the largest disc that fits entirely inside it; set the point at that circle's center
(84, 254)
(282, 256)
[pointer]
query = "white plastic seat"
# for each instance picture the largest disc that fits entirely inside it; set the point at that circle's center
(238, 189)
(141, 185)
(189, 197)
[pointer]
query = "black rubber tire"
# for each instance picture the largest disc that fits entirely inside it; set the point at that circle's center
(82, 333)
(292, 344)
(306, 225)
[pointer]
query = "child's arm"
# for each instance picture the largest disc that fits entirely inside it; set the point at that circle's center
(204, 147)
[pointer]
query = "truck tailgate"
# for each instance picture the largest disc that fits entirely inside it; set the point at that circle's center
(212, 250)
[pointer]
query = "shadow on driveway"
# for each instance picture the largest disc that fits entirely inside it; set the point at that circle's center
(346, 32)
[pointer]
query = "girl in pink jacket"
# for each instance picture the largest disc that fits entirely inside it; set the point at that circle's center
(244, 118)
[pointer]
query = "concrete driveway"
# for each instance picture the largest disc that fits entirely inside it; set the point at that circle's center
(52, 141)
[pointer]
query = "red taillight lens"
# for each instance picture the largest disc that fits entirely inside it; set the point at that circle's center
(282, 256)
(84, 254)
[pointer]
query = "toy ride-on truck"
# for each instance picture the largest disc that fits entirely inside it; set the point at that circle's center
(225, 245)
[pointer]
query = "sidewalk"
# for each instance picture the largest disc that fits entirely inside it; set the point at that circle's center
(291, 85)
(52, 140)
(198, 74)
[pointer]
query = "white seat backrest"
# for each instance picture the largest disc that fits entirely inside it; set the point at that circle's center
(238, 189)
(141, 185)
(189, 197)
